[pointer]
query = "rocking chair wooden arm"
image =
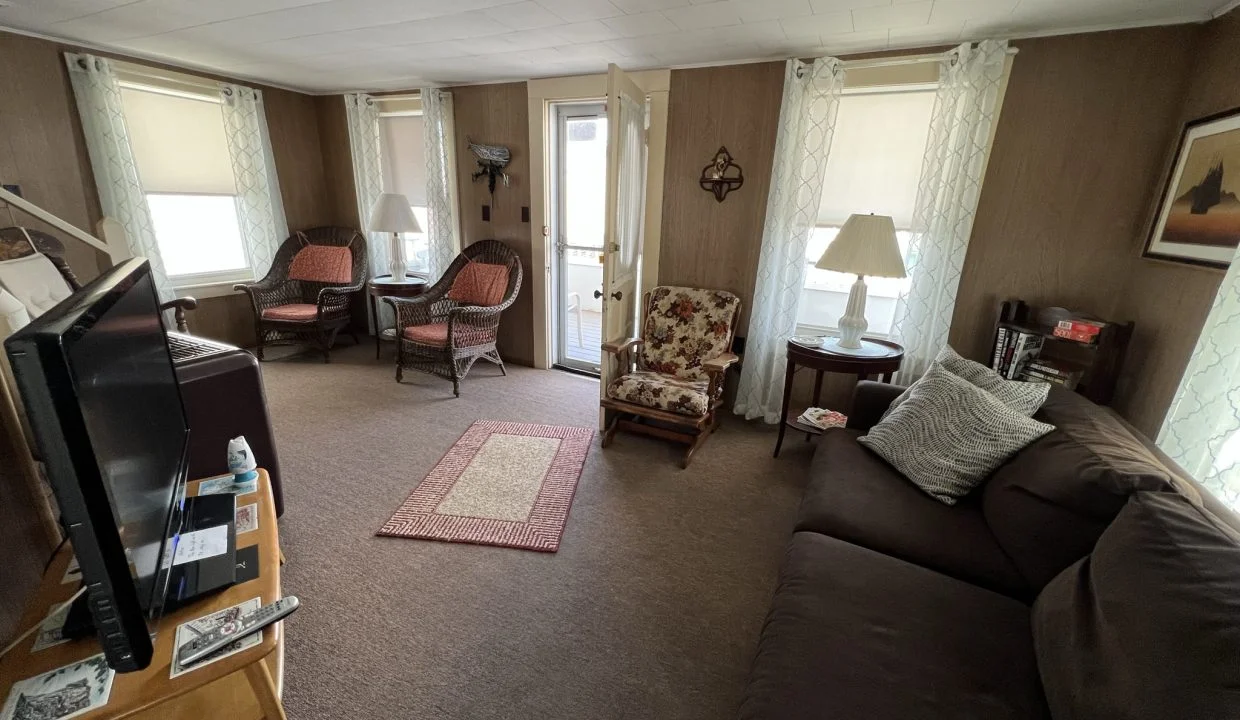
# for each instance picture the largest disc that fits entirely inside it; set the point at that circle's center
(621, 346)
(720, 363)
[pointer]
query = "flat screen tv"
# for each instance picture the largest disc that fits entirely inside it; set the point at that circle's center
(99, 388)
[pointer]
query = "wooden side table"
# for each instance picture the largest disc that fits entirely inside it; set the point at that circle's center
(386, 285)
(877, 357)
(243, 686)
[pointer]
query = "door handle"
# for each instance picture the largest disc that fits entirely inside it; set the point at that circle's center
(598, 294)
(617, 295)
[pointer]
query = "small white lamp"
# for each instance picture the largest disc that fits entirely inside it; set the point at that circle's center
(391, 213)
(866, 245)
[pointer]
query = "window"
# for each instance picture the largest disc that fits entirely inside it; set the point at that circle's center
(404, 171)
(182, 155)
(873, 167)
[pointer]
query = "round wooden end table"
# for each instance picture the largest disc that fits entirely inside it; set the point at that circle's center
(386, 285)
(876, 357)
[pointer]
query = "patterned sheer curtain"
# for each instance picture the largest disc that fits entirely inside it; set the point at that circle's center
(442, 236)
(260, 209)
(121, 197)
(806, 123)
(958, 145)
(363, 117)
(1202, 429)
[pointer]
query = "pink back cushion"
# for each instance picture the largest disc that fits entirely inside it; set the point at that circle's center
(480, 284)
(323, 263)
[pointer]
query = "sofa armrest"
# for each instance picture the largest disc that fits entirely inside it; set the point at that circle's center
(870, 400)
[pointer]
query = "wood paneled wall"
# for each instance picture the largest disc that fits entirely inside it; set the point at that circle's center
(1076, 153)
(499, 115)
(43, 151)
(706, 243)
(1169, 301)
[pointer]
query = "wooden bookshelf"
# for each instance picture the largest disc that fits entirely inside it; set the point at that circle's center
(1098, 362)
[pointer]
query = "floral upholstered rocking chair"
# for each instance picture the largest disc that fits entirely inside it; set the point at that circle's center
(673, 374)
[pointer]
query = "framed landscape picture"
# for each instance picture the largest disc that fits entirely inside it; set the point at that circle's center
(1199, 218)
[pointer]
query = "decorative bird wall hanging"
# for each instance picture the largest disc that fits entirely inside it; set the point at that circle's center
(492, 159)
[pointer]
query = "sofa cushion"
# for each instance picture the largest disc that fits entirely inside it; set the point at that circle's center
(853, 633)
(949, 435)
(1146, 625)
(855, 496)
(1023, 397)
(1048, 505)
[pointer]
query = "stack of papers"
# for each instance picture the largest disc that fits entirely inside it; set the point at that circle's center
(822, 418)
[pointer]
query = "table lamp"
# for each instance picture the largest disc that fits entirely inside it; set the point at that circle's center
(866, 245)
(391, 213)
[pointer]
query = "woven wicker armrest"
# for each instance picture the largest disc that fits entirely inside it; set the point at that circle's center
(326, 294)
(265, 293)
(418, 310)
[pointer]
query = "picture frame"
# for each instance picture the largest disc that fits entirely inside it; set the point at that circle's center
(1198, 220)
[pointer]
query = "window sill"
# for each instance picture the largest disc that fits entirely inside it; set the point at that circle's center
(217, 288)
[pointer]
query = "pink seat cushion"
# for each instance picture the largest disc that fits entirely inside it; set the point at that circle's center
(296, 312)
(435, 334)
(480, 284)
(323, 263)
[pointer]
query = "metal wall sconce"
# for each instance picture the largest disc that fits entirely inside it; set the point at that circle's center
(722, 175)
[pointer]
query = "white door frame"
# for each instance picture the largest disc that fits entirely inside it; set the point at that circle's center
(541, 93)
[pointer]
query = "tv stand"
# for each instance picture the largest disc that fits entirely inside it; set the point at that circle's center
(244, 685)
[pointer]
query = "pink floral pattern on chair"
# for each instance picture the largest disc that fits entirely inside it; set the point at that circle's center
(685, 327)
(662, 392)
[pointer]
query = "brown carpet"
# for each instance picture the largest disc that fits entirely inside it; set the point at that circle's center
(650, 609)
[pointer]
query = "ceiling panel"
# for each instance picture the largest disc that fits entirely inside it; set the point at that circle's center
(326, 45)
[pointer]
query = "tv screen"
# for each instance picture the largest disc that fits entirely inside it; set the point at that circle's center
(101, 393)
(131, 402)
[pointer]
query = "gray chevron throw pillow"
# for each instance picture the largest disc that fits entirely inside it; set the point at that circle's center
(1023, 397)
(949, 435)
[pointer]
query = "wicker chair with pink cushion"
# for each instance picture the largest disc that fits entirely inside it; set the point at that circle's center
(445, 330)
(306, 294)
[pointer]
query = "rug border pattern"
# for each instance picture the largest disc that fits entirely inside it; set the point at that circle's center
(541, 531)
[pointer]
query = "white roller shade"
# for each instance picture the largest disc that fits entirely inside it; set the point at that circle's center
(876, 156)
(178, 143)
(404, 157)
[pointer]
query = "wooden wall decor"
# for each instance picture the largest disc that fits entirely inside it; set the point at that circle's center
(722, 175)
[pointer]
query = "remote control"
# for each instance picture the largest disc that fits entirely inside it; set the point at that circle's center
(232, 631)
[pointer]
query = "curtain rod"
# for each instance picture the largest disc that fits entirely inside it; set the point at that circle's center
(906, 60)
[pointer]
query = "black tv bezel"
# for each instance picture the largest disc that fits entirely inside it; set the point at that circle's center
(39, 355)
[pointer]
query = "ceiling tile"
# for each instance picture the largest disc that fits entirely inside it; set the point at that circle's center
(840, 22)
(855, 42)
(588, 31)
(150, 17)
(24, 12)
(749, 11)
(830, 6)
(891, 16)
(579, 10)
(934, 34)
(651, 23)
(953, 11)
(697, 17)
(524, 16)
(634, 7)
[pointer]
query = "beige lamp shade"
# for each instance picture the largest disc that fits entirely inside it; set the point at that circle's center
(391, 213)
(866, 246)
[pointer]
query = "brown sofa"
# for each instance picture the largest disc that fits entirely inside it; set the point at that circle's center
(891, 604)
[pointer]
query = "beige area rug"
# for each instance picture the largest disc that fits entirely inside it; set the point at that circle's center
(506, 484)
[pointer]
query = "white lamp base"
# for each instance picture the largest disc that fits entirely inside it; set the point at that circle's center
(852, 325)
(397, 264)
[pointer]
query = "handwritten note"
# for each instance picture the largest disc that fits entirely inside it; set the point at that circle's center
(201, 544)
